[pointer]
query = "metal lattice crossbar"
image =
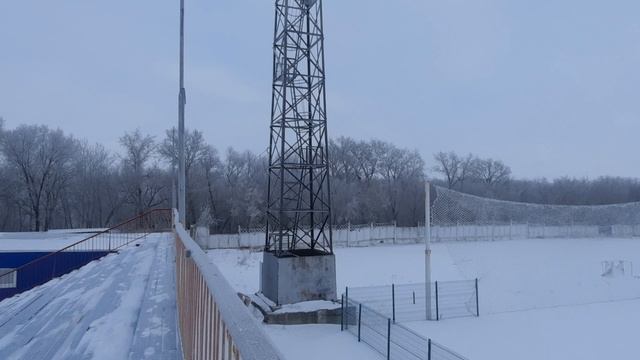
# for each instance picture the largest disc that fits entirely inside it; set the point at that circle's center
(391, 340)
(298, 200)
(69, 258)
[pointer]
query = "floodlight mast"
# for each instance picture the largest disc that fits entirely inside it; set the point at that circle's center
(298, 198)
(182, 99)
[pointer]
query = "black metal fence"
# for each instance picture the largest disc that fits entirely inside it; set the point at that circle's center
(406, 302)
(392, 340)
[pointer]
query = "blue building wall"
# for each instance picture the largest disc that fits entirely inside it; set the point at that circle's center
(48, 268)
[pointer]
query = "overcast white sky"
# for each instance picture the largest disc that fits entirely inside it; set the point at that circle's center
(549, 87)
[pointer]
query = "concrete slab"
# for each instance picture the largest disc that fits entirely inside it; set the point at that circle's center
(293, 279)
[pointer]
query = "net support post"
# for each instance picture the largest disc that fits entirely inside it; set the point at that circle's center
(427, 250)
(342, 314)
(346, 305)
(359, 320)
(388, 339)
(428, 349)
(477, 300)
(437, 307)
(393, 302)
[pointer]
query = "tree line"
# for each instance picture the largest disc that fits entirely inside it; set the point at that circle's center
(50, 179)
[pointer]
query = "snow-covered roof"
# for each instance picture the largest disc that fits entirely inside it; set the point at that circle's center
(38, 241)
(119, 307)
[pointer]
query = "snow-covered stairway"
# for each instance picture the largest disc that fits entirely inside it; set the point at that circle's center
(119, 307)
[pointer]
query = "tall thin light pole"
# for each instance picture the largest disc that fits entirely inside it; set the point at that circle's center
(182, 99)
(427, 249)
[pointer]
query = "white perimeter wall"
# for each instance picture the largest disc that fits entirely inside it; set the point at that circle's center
(371, 235)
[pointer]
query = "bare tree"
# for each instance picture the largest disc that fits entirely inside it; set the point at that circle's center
(448, 164)
(468, 168)
(210, 165)
(41, 158)
(142, 181)
(341, 158)
(194, 146)
(492, 171)
(95, 199)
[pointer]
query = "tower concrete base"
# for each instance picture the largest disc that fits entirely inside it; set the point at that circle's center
(292, 279)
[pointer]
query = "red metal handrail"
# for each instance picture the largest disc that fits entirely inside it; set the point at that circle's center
(147, 223)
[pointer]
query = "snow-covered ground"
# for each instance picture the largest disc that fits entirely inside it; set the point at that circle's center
(539, 298)
(119, 307)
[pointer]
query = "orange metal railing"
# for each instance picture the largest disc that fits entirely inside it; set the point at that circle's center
(213, 321)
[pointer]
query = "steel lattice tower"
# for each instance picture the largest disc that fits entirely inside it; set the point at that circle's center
(299, 205)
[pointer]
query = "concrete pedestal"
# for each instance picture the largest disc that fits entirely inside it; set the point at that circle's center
(288, 280)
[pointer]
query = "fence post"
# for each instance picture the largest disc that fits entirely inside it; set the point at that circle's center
(395, 225)
(388, 339)
(477, 301)
(342, 314)
(359, 320)
(437, 308)
(348, 231)
(239, 235)
(429, 350)
(393, 302)
(528, 234)
(346, 299)
(510, 229)
(371, 239)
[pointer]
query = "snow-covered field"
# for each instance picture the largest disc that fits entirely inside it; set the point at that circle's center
(539, 298)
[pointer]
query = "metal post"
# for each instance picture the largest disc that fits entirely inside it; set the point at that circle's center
(395, 225)
(427, 250)
(393, 302)
(388, 339)
(342, 314)
(437, 308)
(182, 99)
(359, 320)
(174, 192)
(371, 241)
(346, 304)
(477, 300)
(429, 350)
(348, 232)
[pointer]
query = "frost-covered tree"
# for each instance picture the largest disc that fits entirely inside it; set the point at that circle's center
(143, 182)
(41, 159)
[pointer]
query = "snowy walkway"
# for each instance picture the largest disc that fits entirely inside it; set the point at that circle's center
(122, 306)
